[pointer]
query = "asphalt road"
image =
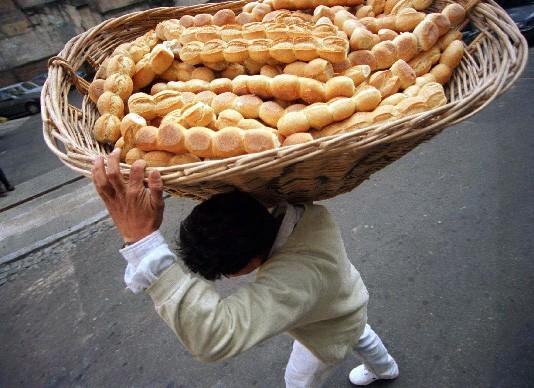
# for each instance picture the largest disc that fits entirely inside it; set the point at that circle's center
(443, 239)
(23, 152)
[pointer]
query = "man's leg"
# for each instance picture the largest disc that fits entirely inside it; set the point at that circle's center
(5, 182)
(377, 363)
(304, 370)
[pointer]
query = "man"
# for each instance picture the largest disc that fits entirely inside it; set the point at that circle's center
(305, 285)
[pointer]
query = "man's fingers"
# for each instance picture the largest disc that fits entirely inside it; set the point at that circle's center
(100, 179)
(114, 173)
(137, 173)
(155, 184)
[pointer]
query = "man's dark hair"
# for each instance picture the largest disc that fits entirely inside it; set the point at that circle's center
(223, 234)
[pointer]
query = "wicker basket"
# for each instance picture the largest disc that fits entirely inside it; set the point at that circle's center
(317, 170)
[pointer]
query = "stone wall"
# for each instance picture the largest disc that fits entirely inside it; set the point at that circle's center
(31, 31)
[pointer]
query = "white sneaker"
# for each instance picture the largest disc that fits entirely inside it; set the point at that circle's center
(363, 376)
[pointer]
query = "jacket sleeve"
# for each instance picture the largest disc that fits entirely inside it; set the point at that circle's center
(213, 328)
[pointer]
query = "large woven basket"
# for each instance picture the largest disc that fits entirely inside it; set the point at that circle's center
(317, 170)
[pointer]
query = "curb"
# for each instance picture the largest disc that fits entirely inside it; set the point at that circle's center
(21, 253)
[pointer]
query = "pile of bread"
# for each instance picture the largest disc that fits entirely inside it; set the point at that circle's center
(280, 73)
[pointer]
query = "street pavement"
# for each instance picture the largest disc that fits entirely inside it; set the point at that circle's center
(443, 239)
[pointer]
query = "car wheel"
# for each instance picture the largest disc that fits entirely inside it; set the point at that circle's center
(33, 108)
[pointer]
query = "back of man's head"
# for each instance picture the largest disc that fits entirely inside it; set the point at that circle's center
(223, 234)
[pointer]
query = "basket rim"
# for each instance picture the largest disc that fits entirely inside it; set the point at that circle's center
(381, 133)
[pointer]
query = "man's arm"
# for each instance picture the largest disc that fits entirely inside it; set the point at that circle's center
(213, 328)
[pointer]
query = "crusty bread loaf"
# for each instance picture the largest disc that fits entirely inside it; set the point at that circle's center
(107, 128)
(142, 104)
(228, 142)
(297, 138)
(109, 102)
(96, 88)
(157, 158)
(131, 122)
(134, 154)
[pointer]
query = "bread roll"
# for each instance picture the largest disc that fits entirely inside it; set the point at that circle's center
(203, 19)
(453, 54)
(405, 73)
(270, 112)
(259, 85)
(223, 101)
(131, 122)
(342, 108)
(144, 75)
(233, 70)
(297, 138)
(134, 154)
(96, 88)
(293, 122)
(446, 39)
(367, 99)
(407, 19)
(442, 73)
(427, 34)
(394, 99)
(433, 94)
(455, 13)
(146, 138)
(223, 17)
(363, 57)
(183, 159)
(385, 82)
(270, 71)
(142, 104)
(199, 141)
(111, 103)
(424, 61)
(248, 106)
(387, 34)
(362, 39)
(203, 73)
(157, 158)
(167, 101)
(406, 45)
(311, 90)
(441, 21)
(198, 115)
(250, 124)
(285, 87)
(412, 105)
(383, 113)
(318, 115)
(340, 86)
(171, 138)
(358, 74)
(244, 18)
(258, 140)
(228, 118)
(205, 97)
(385, 54)
(161, 58)
(228, 142)
(107, 128)
(120, 64)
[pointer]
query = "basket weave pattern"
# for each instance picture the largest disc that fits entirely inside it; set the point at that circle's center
(312, 171)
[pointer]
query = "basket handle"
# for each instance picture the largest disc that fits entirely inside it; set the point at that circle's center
(81, 85)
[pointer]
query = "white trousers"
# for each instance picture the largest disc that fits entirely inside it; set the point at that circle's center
(304, 370)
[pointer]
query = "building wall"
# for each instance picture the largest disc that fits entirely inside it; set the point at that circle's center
(31, 31)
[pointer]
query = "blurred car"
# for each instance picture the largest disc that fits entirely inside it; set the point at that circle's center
(522, 13)
(40, 78)
(20, 99)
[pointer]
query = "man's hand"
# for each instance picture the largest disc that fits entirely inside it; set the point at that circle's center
(136, 211)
